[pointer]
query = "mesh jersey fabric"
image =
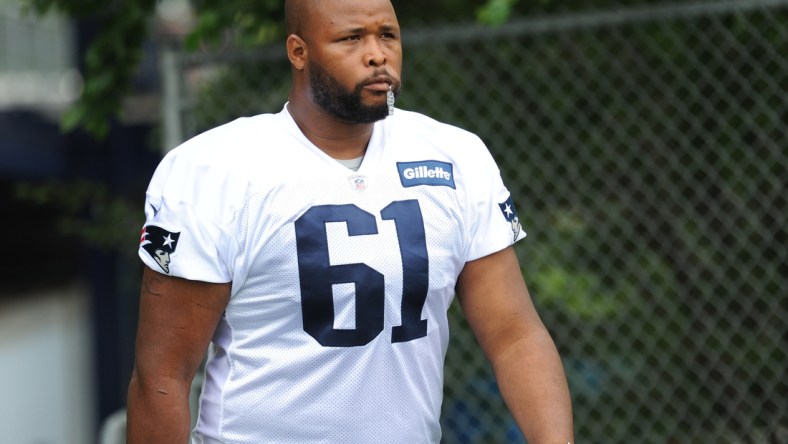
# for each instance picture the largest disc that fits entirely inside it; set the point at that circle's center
(336, 329)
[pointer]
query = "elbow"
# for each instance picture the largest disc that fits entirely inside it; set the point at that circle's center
(146, 384)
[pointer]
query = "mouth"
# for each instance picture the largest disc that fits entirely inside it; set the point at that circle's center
(379, 83)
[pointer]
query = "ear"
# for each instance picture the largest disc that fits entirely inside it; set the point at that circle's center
(296, 51)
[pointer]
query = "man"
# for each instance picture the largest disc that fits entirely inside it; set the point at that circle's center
(317, 251)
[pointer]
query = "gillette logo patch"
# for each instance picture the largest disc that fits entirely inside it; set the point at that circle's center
(426, 172)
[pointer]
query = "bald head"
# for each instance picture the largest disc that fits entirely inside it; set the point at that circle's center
(297, 15)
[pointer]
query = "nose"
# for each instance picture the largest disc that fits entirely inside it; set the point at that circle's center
(375, 56)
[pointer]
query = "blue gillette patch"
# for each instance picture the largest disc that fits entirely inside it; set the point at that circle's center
(426, 172)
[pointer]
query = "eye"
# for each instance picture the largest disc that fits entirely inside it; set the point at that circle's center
(351, 38)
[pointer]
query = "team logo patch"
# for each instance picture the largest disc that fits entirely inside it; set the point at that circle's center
(160, 244)
(510, 214)
(426, 172)
(359, 183)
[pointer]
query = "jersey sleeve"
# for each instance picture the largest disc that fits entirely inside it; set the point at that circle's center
(188, 215)
(494, 223)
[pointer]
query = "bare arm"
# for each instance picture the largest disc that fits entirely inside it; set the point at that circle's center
(495, 300)
(177, 321)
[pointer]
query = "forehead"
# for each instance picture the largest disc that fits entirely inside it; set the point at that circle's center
(338, 15)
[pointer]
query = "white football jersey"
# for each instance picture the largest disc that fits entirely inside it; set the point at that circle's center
(336, 329)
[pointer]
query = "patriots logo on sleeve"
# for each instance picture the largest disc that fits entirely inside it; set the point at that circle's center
(510, 214)
(160, 245)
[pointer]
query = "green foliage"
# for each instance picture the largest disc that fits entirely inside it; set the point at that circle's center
(247, 24)
(111, 59)
(90, 212)
(495, 12)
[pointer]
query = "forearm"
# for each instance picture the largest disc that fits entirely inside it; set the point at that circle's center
(533, 384)
(158, 412)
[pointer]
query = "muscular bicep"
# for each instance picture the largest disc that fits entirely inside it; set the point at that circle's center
(495, 300)
(177, 319)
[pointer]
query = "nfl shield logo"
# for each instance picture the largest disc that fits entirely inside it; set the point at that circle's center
(359, 183)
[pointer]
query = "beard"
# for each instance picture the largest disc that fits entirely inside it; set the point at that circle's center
(329, 94)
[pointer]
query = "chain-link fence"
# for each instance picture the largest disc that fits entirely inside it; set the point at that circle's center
(647, 152)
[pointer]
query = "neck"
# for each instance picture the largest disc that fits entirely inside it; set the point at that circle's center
(338, 139)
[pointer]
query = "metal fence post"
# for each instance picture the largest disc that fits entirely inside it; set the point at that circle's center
(172, 121)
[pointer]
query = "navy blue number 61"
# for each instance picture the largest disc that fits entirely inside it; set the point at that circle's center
(317, 275)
